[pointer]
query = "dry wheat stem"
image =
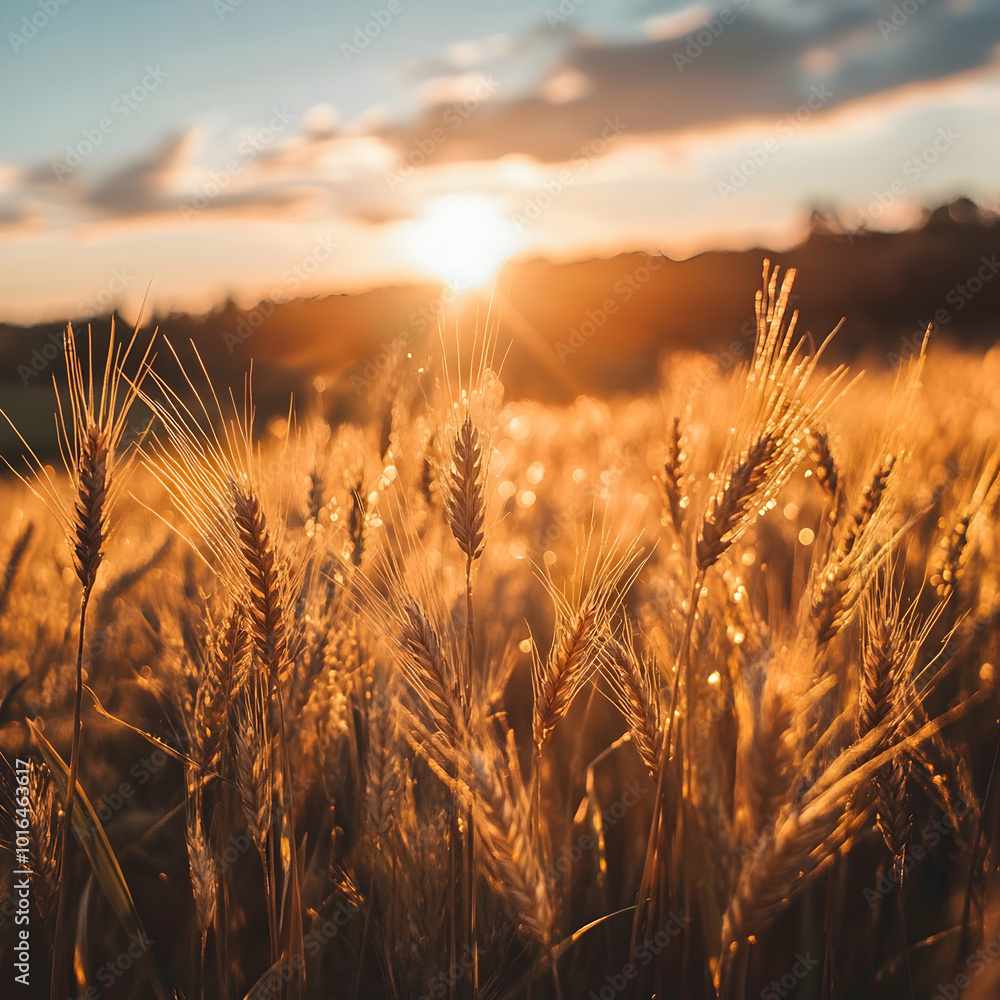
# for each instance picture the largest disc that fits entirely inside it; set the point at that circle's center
(91, 455)
(779, 398)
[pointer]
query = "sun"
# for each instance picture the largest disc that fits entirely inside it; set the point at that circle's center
(462, 238)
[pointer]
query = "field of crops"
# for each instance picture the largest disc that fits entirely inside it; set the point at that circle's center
(690, 695)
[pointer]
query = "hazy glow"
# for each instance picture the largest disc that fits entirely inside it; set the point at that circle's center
(462, 238)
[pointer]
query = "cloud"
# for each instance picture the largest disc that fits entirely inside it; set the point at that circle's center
(163, 186)
(167, 186)
(678, 23)
(751, 67)
(18, 223)
(678, 79)
(146, 184)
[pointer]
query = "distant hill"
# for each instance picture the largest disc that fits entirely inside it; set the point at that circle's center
(596, 326)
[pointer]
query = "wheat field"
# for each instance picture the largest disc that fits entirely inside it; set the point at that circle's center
(689, 695)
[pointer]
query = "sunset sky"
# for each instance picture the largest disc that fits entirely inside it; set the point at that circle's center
(260, 149)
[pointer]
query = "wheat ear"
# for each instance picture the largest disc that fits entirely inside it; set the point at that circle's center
(201, 869)
(827, 474)
(673, 477)
(501, 807)
(90, 440)
(266, 604)
(44, 843)
(871, 498)
(729, 509)
(781, 397)
(212, 477)
(583, 625)
(427, 669)
(465, 494)
(632, 680)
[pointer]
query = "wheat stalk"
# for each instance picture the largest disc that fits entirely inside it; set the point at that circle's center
(212, 477)
(90, 440)
(427, 669)
(501, 807)
(780, 399)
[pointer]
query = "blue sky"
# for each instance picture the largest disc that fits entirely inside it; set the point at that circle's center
(256, 138)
